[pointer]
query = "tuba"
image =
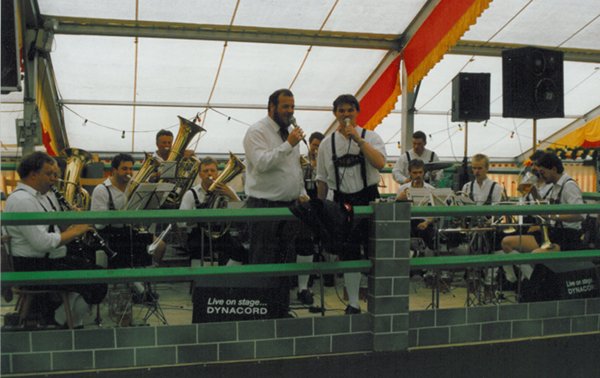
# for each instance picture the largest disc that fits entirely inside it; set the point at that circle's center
(69, 186)
(216, 201)
(187, 168)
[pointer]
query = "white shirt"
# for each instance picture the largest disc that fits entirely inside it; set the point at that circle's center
(35, 240)
(570, 195)
(481, 192)
(157, 157)
(273, 170)
(188, 202)
(100, 199)
(400, 170)
(350, 178)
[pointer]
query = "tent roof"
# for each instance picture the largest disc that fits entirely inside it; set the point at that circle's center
(223, 61)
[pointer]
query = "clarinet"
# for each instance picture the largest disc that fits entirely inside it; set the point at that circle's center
(64, 204)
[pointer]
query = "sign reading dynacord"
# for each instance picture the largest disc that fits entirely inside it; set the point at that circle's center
(217, 304)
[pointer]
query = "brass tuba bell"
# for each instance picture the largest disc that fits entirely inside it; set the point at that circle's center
(187, 131)
(69, 186)
(187, 167)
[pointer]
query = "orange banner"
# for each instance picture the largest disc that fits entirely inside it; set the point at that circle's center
(441, 30)
(381, 99)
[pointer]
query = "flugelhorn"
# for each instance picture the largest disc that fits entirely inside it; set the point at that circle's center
(148, 168)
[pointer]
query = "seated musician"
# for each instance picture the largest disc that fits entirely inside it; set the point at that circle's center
(419, 227)
(43, 247)
(482, 190)
(110, 195)
(231, 251)
(533, 191)
(564, 232)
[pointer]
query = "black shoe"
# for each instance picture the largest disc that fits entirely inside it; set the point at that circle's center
(306, 297)
(351, 310)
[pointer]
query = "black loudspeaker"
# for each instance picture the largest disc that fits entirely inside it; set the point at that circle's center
(471, 97)
(568, 280)
(532, 83)
(11, 76)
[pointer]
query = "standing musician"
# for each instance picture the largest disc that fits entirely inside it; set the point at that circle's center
(419, 227)
(43, 247)
(400, 171)
(274, 178)
(164, 140)
(349, 162)
(231, 251)
(310, 170)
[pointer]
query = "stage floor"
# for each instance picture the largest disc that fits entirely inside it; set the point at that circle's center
(175, 302)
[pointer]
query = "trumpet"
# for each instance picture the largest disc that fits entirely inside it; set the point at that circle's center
(65, 205)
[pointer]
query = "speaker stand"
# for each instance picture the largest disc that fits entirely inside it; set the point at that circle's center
(534, 135)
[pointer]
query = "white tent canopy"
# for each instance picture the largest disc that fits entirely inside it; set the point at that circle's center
(118, 91)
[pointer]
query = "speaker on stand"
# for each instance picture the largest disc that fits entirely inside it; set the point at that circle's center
(470, 103)
(532, 85)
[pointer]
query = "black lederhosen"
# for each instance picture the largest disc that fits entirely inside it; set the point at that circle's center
(360, 230)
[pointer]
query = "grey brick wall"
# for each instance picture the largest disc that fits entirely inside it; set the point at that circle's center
(503, 322)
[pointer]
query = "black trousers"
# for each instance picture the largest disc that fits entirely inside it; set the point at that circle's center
(92, 293)
(360, 230)
(226, 246)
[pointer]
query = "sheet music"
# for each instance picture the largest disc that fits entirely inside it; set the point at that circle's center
(168, 170)
(149, 196)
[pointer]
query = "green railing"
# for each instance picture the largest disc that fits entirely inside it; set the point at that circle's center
(182, 274)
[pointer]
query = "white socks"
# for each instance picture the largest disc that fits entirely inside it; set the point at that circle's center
(232, 262)
(79, 310)
(303, 279)
(352, 283)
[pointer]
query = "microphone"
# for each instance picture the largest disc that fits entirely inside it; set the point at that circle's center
(292, 120)
(347, 121)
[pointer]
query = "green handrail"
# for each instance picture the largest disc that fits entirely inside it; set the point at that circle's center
(450, 262)
(499, 210)
(181, 274)
(157, 216)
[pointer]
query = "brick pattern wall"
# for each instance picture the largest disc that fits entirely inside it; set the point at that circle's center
(503, 322)
(42, 351)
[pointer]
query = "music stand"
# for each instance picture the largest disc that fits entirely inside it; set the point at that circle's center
(420, 196)
(149, 196)
(168, 170)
